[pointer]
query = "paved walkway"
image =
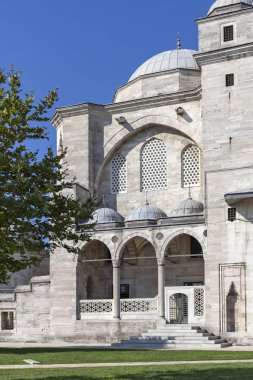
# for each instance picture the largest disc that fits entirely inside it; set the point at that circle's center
(127, 364)
(106, 346)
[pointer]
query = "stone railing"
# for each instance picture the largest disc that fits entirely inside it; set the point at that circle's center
(138, 305)
(102, 309)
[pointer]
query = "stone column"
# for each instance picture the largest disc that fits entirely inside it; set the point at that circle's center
(161, 284)
(116, 289)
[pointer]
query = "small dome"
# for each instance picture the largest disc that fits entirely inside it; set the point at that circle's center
(168, 60)
(146, 212)
(106, 215)
(223, 3)
(188, 207)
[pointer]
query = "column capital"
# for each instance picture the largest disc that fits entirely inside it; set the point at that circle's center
(116, 263)
(160, 261)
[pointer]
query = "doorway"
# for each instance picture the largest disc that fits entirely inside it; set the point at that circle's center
(178, 306)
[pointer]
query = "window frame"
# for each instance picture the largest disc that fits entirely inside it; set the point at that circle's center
(231, 214)
(2, 328)
(234, 40)
(227, 76)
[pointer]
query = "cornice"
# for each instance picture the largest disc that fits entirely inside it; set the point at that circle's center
(131, 105)
(225, 54)
(156, 101)
(74, 110)
(232, 13)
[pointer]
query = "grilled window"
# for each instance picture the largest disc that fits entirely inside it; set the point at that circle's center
(228, 33)
(7, 320)
(124, 290)
(231, 214)
(230, 80)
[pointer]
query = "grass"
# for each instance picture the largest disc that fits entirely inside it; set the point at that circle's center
(10, 356)
(186, 372)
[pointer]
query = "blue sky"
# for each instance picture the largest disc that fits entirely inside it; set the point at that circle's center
(88, 48)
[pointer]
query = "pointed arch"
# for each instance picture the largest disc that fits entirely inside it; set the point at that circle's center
(118, 174)
(199, 237)
(154, 164)
(190, 166)
(130, 237)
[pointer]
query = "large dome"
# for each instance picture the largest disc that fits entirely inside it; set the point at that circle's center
(168, 60)
(146, 212)
(106, 215)
(223, 3)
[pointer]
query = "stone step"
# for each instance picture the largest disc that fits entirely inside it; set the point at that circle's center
(179, 327)
(180, 337)
(186, 346)
(177, 340)
(176, 333)
(175, 336)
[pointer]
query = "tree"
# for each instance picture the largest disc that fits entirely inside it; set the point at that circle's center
(35, 215)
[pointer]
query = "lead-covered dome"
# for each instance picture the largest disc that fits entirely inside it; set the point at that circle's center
(187, 207)
(223, 3)
(168, 60)
(146, 212)
(106, 215)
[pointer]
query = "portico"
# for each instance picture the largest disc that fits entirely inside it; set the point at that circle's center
(141, 278)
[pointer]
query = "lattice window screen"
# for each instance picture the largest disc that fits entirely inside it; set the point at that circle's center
(153, 165)
(191, 166)
(199, 302)
(119, 174)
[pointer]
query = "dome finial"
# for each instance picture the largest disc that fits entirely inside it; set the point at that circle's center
(103, 200)
(178, 41)
(190, 194)
(146, 198)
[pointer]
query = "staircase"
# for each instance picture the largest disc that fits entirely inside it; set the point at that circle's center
(174, 336)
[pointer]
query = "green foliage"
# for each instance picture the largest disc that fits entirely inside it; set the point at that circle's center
(35, 215)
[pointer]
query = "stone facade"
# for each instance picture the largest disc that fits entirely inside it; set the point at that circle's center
(146, 265)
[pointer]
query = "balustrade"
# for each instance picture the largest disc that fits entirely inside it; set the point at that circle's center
(147, 307)
(138, 305)
(105, 308)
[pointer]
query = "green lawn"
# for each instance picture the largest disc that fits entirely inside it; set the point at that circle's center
(9, 356)
(189, 372)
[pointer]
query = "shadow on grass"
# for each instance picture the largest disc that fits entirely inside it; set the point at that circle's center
(225, 372)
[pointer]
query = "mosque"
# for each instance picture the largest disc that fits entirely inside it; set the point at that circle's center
(172, 158)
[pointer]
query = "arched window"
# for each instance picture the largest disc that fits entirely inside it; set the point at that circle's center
(119, 174)
(191, 166)
(153, 165)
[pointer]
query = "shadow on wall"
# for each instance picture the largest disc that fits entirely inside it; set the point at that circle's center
(24, 276)
(244, 209)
